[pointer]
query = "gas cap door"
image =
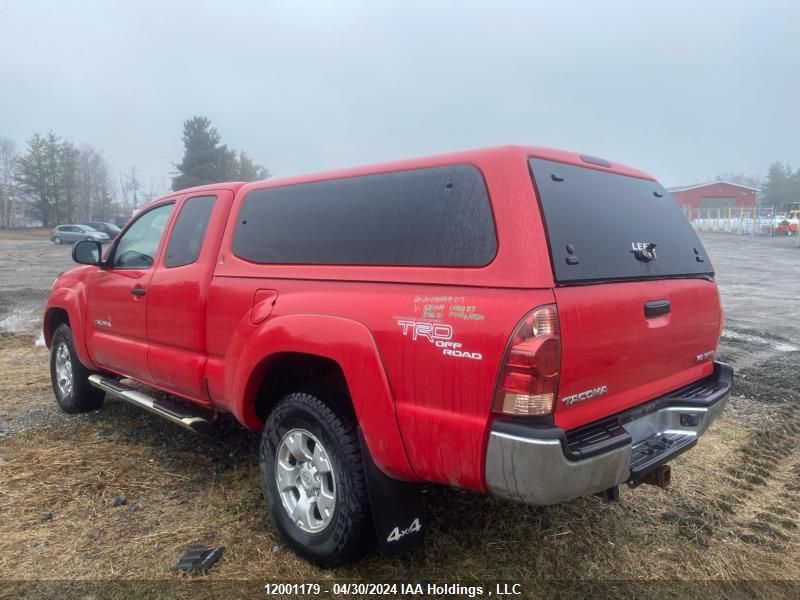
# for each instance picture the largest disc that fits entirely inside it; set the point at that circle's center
(263, 301)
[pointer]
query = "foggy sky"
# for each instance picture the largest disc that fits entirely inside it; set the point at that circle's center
(683, 90)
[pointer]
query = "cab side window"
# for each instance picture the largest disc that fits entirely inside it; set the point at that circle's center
(187, 235)
(137, 246)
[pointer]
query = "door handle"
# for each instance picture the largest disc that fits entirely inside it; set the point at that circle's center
(655, 308)
(138, 291)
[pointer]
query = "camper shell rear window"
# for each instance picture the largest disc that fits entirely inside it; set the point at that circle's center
(600, 224)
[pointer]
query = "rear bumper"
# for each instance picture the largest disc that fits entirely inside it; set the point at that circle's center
(545, 465)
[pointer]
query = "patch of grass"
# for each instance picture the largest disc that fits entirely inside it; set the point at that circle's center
(25, 233)
(710, 524)
(193, 490)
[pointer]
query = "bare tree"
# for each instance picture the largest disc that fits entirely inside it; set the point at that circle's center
(8, 189)
(93, 186)
(130, 187)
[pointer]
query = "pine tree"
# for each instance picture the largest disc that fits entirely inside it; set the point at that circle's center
(207, 160)
(249, 170)
(778, 186)
(204, 159)
(39, 174)
(67, 155)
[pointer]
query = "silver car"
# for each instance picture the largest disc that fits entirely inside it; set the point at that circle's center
(76, 233)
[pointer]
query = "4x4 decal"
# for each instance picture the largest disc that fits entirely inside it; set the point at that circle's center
(396, 533)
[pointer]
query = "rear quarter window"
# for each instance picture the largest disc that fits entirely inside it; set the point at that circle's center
(424, 217)
(187, 235)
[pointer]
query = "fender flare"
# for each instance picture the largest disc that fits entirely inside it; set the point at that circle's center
(70, 300)
(347, 342)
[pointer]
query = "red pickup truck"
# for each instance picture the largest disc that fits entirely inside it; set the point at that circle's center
(531, 323)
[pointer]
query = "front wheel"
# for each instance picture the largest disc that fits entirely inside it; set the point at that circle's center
(70, 378)
(57, 240)
(313, 479)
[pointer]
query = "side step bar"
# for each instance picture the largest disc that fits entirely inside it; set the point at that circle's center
(167, 411)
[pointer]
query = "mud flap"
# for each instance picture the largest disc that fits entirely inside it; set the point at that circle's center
(397, 510)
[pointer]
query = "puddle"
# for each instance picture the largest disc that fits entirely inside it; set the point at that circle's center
(778, 345)
(782, 347)
(19, 320)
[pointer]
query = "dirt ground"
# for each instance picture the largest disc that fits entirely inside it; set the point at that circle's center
(732, 514)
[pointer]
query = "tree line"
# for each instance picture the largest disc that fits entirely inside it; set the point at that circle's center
(779, 188)
(55, 181)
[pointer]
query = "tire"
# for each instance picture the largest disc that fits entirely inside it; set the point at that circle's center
(346, 533)
(57, 240)
(70, 378)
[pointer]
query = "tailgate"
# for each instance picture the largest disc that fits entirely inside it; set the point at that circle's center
(637, 303)
(608, 343)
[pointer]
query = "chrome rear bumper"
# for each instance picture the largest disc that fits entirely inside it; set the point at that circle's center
(545, 465)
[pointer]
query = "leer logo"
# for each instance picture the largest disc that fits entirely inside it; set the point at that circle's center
(645, 251)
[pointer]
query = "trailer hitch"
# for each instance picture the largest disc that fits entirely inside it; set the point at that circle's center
(661, 476)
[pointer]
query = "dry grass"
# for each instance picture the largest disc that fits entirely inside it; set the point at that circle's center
(24, 381)
(31, 233)
(732, 512)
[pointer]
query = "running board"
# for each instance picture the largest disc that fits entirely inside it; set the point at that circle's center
(168, 411)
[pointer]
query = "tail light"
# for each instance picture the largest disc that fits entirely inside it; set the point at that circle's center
(528, 381)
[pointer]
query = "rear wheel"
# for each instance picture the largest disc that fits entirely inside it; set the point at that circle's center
(70, 378)
(57, 240)
(313, 479)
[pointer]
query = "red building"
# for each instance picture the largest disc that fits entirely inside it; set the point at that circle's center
(716, 194)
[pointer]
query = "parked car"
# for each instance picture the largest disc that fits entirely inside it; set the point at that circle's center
(108, 228)
(76, 233)
(530, 323)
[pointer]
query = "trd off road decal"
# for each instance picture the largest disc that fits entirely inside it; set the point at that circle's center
(438, 334)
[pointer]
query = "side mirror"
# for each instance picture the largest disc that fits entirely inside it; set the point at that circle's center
(87, 252)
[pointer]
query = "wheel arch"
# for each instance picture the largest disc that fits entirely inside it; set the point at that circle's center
(284, 372)
(53, 318)
(64, 306)
(334, 350)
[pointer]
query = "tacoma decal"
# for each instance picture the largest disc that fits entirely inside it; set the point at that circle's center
(587, 395)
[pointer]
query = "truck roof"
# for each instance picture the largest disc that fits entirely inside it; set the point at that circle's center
(466, 156)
